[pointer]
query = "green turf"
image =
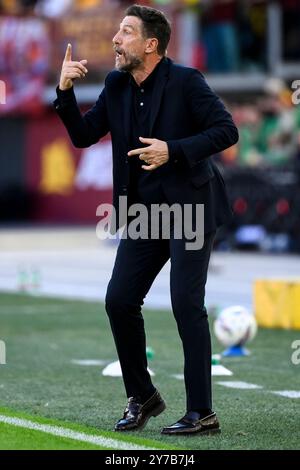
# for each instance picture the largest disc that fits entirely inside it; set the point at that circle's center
(14, 437)
(42, 336)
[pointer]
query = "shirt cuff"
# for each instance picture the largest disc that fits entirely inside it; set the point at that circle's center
(175, 151)
(64, 97)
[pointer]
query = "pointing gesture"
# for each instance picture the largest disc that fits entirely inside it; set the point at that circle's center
(71, 70)
(68, 54)
(156, 154)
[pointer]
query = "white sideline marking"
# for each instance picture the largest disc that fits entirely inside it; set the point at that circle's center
(241, 385)
(216, 369)
(288, 393)
(34, 309)
(89, 362)
(70, 434)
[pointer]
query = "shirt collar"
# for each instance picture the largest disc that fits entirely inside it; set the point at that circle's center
(149, 81)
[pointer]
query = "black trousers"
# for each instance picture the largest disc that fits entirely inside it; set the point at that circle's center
(137, 264)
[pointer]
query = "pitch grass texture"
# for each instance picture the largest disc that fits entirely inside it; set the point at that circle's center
(43, 335)
(23, 432)
(13, 438)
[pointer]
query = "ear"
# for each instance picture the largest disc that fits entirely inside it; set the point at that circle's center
(151, 45)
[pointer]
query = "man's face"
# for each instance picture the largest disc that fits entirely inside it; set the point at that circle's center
(129, 44)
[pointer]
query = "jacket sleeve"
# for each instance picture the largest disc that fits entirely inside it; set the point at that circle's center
(84, 130)
(217, 130)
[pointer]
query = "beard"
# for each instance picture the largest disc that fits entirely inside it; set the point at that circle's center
(128, 62)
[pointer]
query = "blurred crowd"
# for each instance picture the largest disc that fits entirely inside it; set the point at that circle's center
(227, 35)
(269, 129)
(216, 36)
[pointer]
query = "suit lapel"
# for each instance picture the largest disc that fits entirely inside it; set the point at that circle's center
(159, 86)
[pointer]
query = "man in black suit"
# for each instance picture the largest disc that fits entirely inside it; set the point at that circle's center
(165, 123)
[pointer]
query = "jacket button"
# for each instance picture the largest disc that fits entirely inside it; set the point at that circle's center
(124, 189)
(176, 161)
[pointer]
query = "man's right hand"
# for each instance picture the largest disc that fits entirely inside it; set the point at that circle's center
(71, 70)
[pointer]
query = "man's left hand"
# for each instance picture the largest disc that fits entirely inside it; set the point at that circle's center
(156, 154)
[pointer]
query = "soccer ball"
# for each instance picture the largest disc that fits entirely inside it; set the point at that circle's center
(235, 326)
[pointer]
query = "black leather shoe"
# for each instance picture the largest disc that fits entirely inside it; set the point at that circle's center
(192, 423)
(136, 415)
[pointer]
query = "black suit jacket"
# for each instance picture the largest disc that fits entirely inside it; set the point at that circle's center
(185, 113)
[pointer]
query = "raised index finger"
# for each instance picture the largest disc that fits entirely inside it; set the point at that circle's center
(68, 55)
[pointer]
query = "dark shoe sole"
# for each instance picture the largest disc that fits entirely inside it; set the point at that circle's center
(153, 413)
(208, 432)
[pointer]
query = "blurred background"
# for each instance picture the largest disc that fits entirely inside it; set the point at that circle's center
(49, 191)
(250, 53)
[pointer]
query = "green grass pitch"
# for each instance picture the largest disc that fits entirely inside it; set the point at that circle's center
(40, 382)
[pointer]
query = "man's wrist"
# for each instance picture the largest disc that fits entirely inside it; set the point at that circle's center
(64, 97)
(62, 88)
